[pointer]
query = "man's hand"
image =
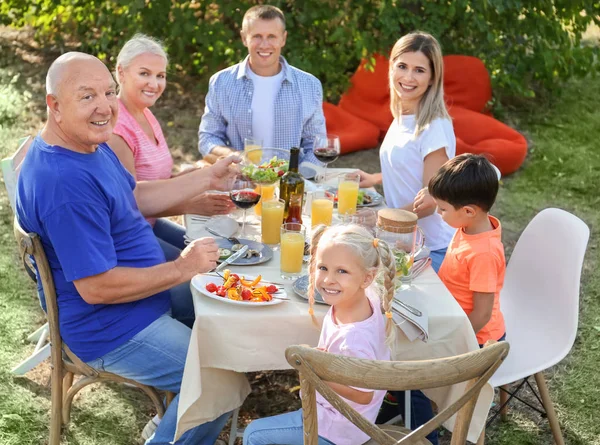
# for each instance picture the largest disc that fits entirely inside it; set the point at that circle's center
(211, 204)
(223, 171)
(424, 205)
(199, 256)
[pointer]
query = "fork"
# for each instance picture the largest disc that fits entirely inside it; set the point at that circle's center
(231, 239)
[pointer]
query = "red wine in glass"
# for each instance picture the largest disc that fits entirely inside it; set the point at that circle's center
(245, 196)
(245, 199)
(326, 155)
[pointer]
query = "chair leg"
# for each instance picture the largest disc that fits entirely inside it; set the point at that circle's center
(234, 429)
(503, 404)
(67, 383)
(549, 407)
(56, 405)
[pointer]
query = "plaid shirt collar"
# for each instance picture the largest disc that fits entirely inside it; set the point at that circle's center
(287, 73)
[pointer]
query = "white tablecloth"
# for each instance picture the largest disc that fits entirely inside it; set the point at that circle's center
(228, 340)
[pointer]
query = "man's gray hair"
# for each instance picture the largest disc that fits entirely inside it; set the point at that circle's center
(139, 44)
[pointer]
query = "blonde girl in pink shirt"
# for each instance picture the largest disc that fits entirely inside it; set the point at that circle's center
(138, 140)
(345, 263)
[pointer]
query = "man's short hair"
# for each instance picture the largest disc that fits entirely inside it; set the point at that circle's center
(467, 179)
(264, 12)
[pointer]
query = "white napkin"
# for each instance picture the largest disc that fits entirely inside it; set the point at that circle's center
(413, 326)
(195, 226)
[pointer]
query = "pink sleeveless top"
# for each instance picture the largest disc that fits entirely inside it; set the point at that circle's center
(152, 157)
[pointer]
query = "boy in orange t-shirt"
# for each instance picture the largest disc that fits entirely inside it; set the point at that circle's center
(465, 189)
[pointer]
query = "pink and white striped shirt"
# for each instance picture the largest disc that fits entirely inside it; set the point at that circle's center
(152, 158)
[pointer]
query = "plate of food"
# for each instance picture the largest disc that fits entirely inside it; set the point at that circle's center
(257, 252)
(366, 197)
(300, 286)
(265, 165)
(239, 289)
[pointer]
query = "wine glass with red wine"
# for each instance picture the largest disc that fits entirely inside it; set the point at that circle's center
(326, 150)
(245, 196)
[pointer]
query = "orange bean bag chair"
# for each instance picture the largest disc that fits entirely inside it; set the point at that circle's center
(478, 133)
(466, 83)
(369, 94)
(355, 133)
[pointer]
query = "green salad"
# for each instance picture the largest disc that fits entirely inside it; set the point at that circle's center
(267, 172)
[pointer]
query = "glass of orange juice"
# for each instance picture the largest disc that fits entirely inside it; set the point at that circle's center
(348, 193)
(267, 192)
(272, 218)
(253, 144)
(321, 208)
(292, 250)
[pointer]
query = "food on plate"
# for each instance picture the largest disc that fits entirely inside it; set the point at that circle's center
(249, 253)
(239, 288)
(224, 253)
(267, 172)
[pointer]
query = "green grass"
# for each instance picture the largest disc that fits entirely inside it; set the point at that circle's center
(562, 170)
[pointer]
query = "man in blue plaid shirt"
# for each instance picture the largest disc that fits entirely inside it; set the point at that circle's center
(262, 98)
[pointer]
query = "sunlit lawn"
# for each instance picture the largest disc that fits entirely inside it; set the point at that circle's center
(562, 170)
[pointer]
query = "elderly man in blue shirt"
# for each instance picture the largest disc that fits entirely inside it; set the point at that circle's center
(263, 97)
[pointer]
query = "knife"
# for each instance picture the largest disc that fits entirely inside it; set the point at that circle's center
(232, 258)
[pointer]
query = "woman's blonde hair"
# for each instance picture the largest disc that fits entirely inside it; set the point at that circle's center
(372, 254)
(431, 106)
(139, 44)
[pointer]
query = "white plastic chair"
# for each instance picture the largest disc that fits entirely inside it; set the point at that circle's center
(11, 166)
(540, 301)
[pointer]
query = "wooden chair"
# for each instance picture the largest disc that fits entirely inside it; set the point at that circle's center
(316, 367)
(65, 364)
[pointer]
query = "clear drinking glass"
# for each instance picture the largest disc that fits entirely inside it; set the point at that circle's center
(245, 194)
(348, 193)
(326, 149)
(292, 250)
(253, 144)
(321, 207)
(272, 218)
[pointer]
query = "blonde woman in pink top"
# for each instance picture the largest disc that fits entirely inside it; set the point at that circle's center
(138, 140)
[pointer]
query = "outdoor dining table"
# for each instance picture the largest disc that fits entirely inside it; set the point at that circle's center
(229, 340)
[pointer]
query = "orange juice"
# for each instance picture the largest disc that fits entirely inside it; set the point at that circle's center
(256, 155)
(347, 196)
(321, 211)
(272, 217)
(267, 192)
(292, 252)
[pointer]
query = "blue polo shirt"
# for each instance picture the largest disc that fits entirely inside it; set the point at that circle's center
(83, 208)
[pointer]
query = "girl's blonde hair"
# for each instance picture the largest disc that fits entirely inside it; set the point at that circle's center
(139, 44)
(431, 106)
(371, 252)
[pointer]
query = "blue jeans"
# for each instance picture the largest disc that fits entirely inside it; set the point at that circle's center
(156, 357)
(284, 429)
(170, 237)
(437, 256)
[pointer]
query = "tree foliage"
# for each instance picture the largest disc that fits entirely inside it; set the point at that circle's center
(526, 44)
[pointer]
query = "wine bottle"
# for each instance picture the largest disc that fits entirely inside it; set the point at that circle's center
(291, 182)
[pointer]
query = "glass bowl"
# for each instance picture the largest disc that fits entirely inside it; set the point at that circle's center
(253, 159)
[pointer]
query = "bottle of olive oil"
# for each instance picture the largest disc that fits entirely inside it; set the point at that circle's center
(291, 182)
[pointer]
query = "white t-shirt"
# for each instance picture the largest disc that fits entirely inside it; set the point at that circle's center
(401, 156)
(263, 105)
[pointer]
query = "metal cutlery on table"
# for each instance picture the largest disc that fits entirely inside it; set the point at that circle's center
(231, 259)
(409, 308)
(231, 239)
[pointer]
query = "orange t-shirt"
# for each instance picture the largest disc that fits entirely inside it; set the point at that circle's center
(475, 263)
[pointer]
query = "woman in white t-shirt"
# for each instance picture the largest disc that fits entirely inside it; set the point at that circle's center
(419, 140)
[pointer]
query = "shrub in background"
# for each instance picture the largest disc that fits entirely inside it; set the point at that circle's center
(527, 46)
